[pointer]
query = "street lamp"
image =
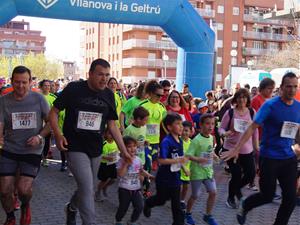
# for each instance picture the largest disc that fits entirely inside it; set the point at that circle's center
(165, 59)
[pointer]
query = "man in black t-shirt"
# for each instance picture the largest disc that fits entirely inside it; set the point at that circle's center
(89, 107)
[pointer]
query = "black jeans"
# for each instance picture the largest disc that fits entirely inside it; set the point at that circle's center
(164, 194)
(125, 198)
(242, 173)
(271, 170)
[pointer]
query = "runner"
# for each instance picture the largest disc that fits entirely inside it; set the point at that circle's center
(22, 114)
(89, 106)
(280, 120)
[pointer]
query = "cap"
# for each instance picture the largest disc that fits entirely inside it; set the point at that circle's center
(202, 105)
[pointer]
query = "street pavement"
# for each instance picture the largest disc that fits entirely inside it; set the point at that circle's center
(52, 189)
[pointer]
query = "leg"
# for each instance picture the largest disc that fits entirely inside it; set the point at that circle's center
(184, 190)
(287, 179)
(24, 188)
(248, 166)
(210, 185)
(267, 183)
(178, 216)
(7, 192)
(137, 202)
(196, 190)
(124, 202)
(160, 198)
(234, 183)
(84, 173)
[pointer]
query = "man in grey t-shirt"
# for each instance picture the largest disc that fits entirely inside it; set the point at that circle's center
(23, 114)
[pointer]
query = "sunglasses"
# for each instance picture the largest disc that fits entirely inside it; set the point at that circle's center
(158, 95)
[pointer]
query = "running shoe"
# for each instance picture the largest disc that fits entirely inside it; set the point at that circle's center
(147, 211)
(10, 221)
(231, 203)
(45, 163)
(252, 187)
(147, 194)
(70, 215)
(118, 223)
(25, 215)
(16, 203)
(63, 167)
(70, 174)
(209, 220)
(182, 205)
(241, 215)
(189, 219)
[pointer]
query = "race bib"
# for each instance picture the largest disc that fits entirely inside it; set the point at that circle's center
(152, 129)
(116, 158)
(241, 125)
(89, 120)
(182, 117)
(289, 130)
(24, 120)
(175, 167)
(209, 157)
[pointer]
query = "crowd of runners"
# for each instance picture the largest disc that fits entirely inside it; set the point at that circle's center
(148, 131)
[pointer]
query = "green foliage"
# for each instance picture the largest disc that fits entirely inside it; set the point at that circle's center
(41, 67)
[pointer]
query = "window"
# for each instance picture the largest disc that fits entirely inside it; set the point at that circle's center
(219, 44)
(235, 27)
(273, 45)
(234, 44)
(258, 44)
(219, 26)
(233, 61)
(236, 11)
(219, 77)
(220, 9)
(219, 60)
(151, 56)
(152, 37)
(151, 74)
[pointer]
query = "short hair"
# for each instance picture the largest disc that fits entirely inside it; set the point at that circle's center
(112, 78)
(152, 86)
(242, 91)
(171, 118)
(288, 75)
(266, 82)
(247, 86)
(185, 85)
(209, 93)
(165, 83)
(41, 83)
(21, 69)
(140, 113)
(129, 140)
(187, 124)
(99, 62)
(206, 116)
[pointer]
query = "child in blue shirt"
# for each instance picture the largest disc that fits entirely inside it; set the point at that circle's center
(167, 180)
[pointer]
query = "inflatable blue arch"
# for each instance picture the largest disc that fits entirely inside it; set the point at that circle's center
(194, 38)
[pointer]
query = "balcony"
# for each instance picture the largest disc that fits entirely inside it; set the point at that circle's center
(207, 13)
(141, 43)
(267, 36)
(25, 47)
(148, 63)
(141, 27)
(255, 18)
(259, 51)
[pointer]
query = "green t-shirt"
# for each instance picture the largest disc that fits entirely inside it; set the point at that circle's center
(157, 112)
(186, 145)
(120, 100)
(139, 134)
(201, 147)
(129, 107)
(109, 149)
(50, 98)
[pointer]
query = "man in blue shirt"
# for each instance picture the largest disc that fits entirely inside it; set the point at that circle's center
(280, 119)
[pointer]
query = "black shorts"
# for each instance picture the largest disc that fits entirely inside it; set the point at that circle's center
(27, 165)
(106, 172)
(185, 181)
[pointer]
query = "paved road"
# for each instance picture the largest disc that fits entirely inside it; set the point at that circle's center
(52, 190)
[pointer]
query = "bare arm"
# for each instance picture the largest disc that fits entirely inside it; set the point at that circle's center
(115, 132)
(122, 120)
(123, 169)
(36, 140)
(181, 160)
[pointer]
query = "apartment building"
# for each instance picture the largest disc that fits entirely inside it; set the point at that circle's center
(16, 38)
(141, 52)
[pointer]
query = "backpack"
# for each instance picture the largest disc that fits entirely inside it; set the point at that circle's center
(230, 112)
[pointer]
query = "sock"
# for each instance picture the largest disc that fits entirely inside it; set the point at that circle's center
(10, 214)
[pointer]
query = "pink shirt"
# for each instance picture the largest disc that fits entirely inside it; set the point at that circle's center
(231, 141)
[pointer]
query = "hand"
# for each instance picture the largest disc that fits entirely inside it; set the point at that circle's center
(182, 160)
(203, 160)
(33, 141)
(122, 128)
(61, 142)
(231, 154)
(151, 177)
(228, 133)
(187, 172)
(127, 157)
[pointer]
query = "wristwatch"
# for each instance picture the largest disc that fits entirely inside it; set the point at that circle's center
(40, 137)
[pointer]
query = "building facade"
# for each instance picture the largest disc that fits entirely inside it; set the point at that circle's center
(16, 39)
(142, 52)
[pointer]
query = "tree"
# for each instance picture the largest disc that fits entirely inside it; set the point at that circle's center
(288, 57)
(40, 66)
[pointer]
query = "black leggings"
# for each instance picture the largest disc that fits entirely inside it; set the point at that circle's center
(242, 173)
(163, 194)
(125, 198)
(271, 170)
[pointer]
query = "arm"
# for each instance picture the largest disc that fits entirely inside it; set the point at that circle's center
(224, 125)
(118, 138)
(61, 141)
(197, 159)
(144, 173)
(122, 121)
(122, 170)
(235, 152)
(1, 135)
(167, 161)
